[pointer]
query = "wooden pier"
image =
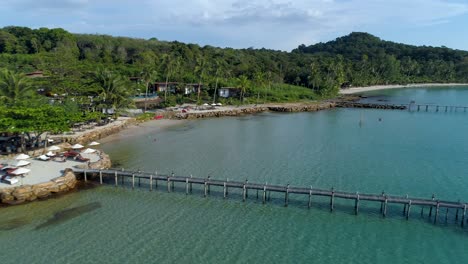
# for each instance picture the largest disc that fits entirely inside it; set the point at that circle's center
(118, 176)
(412, 107)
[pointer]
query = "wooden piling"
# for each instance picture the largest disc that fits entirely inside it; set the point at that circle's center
(422, 211)
(85, 176)
(286, 196)
(205, 189)
(446, 215)
(356, 204)
(404, 207)
(437, 108)
(116, 182)
(408, 210)
(100, 177)
(430, 210)
(208, 183)
(133, 181)
(224, 190)
(463, 216)
(418, 107)
(310, 198)
(168, 184)
(172, 182)
(437, 213)
(427, 108)
(332, 200)
(190, 184)
(385, 207)
(186, 186)
(264, 193)
(244, 193)
(246, 190)
(151, 182)
(227, 189)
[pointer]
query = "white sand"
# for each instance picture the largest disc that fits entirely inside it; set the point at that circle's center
(44, 171)
(396, 86)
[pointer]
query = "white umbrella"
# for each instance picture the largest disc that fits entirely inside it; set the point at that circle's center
(77, 146)
(89, 150)
(205, 104)
(21, 163)
(43, 157)
(50, 154)
(54, 148)
(50, 140)
(94, 143)
(20, 171)
(220, 104)
(213, 104)
(22, 157)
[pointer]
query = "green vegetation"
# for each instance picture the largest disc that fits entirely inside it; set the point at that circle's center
(85, 75)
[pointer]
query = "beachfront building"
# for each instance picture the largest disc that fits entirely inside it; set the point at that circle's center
(192, 88)
(163, 86)
(227, 92)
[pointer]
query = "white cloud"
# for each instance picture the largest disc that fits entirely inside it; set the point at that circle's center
(280, 24)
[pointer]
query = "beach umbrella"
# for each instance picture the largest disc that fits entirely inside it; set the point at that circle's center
(43, 157)
(77, 146)
(50, 154)
(54, 148)
(22, 157)
(205, 104)
(219, 104)
(89, 151)
(213, 104)
(94, 143)
(20, 171)
(21, 163)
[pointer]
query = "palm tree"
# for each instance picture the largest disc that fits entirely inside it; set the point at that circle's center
(259, 80)
(112, 92)
(243, 82)
(218, 72)
(148, 76)
(200, 71)
(14, 87)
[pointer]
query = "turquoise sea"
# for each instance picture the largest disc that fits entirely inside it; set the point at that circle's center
(399, 152)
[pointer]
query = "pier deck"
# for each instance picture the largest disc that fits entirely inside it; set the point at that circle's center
(119, 175)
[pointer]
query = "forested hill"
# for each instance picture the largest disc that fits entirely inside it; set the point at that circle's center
(69, 61)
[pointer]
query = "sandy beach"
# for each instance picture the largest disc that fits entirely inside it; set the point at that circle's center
(396, 86)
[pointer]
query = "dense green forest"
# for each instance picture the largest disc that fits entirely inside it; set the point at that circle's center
(70, 62)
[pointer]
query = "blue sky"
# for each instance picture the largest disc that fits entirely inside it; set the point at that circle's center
(274, 24)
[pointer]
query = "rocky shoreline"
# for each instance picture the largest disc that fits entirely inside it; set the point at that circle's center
(312, 107)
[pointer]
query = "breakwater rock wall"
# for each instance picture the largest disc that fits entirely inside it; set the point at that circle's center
(255, 109)
(28, 193)
(374, 106)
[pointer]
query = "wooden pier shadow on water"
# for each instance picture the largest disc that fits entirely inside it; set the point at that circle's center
(68, 214)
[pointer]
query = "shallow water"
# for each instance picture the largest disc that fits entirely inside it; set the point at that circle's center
(404, 153)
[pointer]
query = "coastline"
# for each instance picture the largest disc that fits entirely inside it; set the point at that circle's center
(362, 89)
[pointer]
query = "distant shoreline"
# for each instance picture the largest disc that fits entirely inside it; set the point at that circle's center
(396, 86)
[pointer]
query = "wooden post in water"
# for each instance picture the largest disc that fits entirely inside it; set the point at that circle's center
(408, 210)
(172, 182)
(332, 199)
(446, 215)
(244, 193)
(463, 216)
(422, 211)
(224, 190)
(151, 182)
(168, 184)
(404, 206)
(116, 182)
(190, 184)
(246, 190)
(133, 181)
(356, 204)
(427, 108)
(382, 203)
(208, 184)
(205, 187)
(456, 215)
(186, 186)
(156, 180)
(100, 177)
(385, 207)
(227, 190)
(430, 210)
(446, 108)
(418, 107)
(286, 196)
(85, 176)
(437, 108)
(310, 198)
(437, 212)
(264, 193)
(122, 178)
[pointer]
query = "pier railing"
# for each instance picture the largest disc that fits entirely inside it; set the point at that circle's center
(118, 176)
(412, 107)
